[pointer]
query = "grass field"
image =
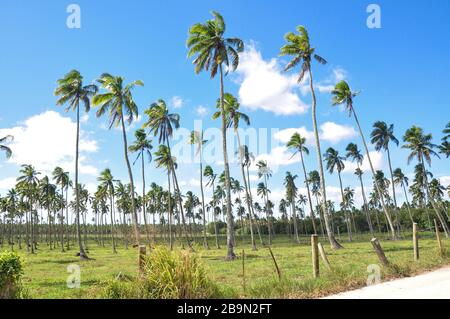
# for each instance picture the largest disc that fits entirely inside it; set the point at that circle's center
(46, 272)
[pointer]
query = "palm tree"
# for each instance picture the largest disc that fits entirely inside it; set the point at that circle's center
(107, 181)
(342, 94)
(291, 195)
(61, 178)
(211, 179)
(335, 161)
(71, 91)
(3, 147)
(118, 102)
(197, 139)
(265, 172)
(297, 143)
(212, 50)
(422, 148)
(143, 146)
(444, 148)
(298, 46)
(354, 154)
(402, 180)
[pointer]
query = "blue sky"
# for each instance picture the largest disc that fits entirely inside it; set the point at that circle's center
(401, 69)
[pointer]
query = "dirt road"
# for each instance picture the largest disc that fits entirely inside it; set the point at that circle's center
(432, 285)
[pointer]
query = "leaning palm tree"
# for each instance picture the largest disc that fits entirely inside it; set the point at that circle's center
(354, 154)
(381, 136)
(118, 102)
(297, 143)
(336, 162)
(422, 149)
(212, 50)
(3, 147)
(197, 139)
(142, 146)
(342, 94)
(71, 91)
(298, 46)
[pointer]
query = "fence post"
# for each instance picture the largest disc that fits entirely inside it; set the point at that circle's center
(276, 264)
(141, 258)
(324, 256)
(379, 251)
(415, 242)
(315, 255)
(438, 238)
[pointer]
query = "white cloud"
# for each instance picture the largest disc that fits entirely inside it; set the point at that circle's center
(47, 140)
(445, 180)
(328, 84)
(377, 161)
(285, 135)
(177, 102)
(263, 86)
(84, 118)
(201, 111)
(7, 183)
(279, 156)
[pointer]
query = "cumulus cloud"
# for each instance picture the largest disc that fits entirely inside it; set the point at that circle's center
(7, 183)
(47, 140)
(279, 156)
(177, 102)
(201, 111)
(377, 161)
(445, 180)
(263, 86)
(327, 85)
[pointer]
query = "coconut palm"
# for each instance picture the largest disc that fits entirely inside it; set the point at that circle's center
(297, 144)
(61, 178)
(72, 92)
(444, 148)
(291, 195)
(354, 155)
(298, 46)
(422, 148)
(212, 51)
(197, 139)
(106, 181)
(118, 102)
(336, 162)
(5, 140)
(265, 172)
(402, 180)
(142, 146)
(209, 174)
(342, 94)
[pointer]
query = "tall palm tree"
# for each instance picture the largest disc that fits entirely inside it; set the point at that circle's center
(335, 161)
(61, 178)
(72, 92)
(143, 146)
(342, 94)
(402, 180)
(297, 143)
(444, 148)
(4, 140)
(118, 102)
(265, 172)
(354, 154)
(291, 195)
(197, 139)
(299, 47)
(209, 174)
(106, 181)
(422, 149)
(212, 50)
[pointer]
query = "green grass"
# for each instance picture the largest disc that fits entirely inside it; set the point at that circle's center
(46, 272)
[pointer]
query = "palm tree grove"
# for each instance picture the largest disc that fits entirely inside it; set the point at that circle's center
(283, 175)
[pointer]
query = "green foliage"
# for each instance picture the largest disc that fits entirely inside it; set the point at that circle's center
(10, 275)
(167, 275)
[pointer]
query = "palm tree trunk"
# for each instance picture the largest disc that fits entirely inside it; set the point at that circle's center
(266, 199)
(144, 201)
(77, 195)
(61, 222)
(333, 242)
(111, 202)
(394, 196)
(294, 217)
(205, 240)
(230, 229)
(252, 208)
(137, 233)
(369, 221)
(170, 214)
(407, 203)
(380, 194)
(309, 194)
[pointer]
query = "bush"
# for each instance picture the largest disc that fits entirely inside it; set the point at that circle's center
(167, 275)
(10, 276)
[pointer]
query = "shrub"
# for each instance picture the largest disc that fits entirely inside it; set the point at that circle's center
(10, 275)
(167, 275)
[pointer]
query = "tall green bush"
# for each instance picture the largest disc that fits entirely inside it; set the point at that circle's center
(10, 275)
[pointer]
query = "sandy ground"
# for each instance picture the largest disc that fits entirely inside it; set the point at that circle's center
(432, 285)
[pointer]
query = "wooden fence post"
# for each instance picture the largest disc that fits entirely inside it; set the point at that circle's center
(379, 251)
(438, 238)
(141, 258)
(324, 256)
(315, 255)
(415, 242)
(275, 262)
